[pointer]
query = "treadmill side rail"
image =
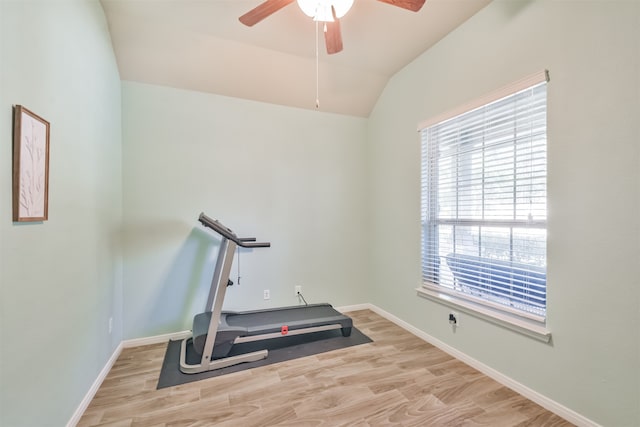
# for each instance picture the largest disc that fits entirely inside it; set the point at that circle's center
(252, 338)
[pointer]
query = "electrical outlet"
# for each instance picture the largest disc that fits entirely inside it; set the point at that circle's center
(110, 325)
(298, 290)
(266, 294)
(454, 318)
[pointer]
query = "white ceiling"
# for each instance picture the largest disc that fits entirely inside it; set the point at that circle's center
(200, 45)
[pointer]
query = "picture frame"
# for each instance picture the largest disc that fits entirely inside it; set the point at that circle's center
(30, 166)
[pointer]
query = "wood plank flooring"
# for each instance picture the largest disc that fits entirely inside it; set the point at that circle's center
(397, 380)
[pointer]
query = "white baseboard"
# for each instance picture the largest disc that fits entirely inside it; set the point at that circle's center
(354, 307)
(530, 394)
(94, 387)
(156, 339)
(545, 402)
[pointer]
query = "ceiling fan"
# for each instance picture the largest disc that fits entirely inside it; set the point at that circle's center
(327, 11)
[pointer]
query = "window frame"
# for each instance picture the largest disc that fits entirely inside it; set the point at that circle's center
(531, 324)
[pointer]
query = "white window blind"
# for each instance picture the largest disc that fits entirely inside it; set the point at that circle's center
(484, 202)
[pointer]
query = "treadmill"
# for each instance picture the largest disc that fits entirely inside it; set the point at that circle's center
(215, 332)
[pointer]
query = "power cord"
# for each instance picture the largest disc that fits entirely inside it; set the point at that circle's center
(304, 300)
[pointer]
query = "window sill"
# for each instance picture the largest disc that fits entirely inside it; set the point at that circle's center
(523, 326)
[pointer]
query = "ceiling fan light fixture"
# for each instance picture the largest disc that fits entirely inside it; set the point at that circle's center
(320, 10)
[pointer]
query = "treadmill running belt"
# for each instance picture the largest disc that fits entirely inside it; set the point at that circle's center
(282, 316)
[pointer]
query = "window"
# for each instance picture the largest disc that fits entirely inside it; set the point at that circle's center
(484, 202)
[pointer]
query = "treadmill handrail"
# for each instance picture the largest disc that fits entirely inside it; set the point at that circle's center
(245, 242)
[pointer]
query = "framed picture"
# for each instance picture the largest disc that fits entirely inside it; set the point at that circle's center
(30, 166)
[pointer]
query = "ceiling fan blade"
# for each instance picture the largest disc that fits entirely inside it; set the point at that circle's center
(412, 5)
(262, 11)
(333, 35)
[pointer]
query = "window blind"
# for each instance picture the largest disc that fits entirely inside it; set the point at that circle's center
(484, 203)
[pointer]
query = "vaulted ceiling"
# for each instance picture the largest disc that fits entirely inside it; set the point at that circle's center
(200, 45)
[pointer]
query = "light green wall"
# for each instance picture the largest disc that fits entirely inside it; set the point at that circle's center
(322, 188)
(293, 177)
(592, 50)
(60, 280)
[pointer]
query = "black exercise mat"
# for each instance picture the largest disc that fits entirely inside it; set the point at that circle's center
(280, 349)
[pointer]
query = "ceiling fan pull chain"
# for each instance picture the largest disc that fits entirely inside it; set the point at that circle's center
(317, 70)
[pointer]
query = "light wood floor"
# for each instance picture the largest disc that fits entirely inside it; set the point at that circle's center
(397, 380)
